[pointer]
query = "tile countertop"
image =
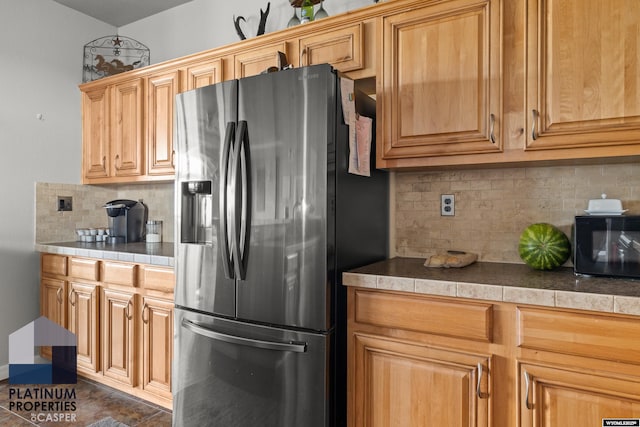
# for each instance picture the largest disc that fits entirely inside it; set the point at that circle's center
(513, 283)
(142, 253)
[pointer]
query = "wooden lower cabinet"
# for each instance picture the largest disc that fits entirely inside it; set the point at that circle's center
(122, 316)
(119, 336)
(535, 367)
(401, 371)
(83, 321)
(400, 383)
(157, 345)
(52, 305)
(551, 396)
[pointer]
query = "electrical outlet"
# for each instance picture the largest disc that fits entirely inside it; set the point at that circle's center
(65, 203)
(447, 205)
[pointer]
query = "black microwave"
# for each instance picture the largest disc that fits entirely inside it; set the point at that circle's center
(607, 245)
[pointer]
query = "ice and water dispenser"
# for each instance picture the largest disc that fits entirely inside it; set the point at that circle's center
(197, 212)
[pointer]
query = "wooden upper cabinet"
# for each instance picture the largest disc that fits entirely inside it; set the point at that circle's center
(95, 133)
(253, 62)
(161, 92)
(201, 74)
(343, 48)
(441, 81)
(127, 128)
(583, 73)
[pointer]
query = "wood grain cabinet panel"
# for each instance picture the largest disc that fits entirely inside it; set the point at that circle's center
(84, 268)
(159, 278)
(83, 311)
(399, 383)
(555, 397)
(467, 320)
(253, 62)
(203, 73)
(118, 335)
(53, 264)
(593, 335)
(126, 128)
(96, 160)
(161, 92)
(157, 347)
(52, 304)
(119, 273)
(583, 67)
(441, 81)
(123, 322)
(342, 48)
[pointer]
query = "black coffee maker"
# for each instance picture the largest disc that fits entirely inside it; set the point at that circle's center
(126, 221)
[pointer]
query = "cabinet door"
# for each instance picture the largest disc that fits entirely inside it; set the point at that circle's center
(161, 92)
(341, 48)
(394, 383)
(83, 322)
(203, 74)
(441, 81)
(127, 128)
(52, 305)
(256, 61)
(583, 73)
(557, 397)
(157, 339)
(118, 336)
(95, 134)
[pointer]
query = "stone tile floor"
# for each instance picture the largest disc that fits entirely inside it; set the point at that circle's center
(93, 402)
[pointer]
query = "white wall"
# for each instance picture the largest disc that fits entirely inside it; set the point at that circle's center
(205, 24)
(40, 69)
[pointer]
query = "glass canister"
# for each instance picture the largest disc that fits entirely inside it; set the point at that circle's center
(154, 231)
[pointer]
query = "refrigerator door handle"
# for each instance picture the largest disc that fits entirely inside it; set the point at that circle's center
(242, 163)
(296, 347)
(224, 196)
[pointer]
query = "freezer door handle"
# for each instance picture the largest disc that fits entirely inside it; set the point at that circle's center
(224, 196)
(296, 347)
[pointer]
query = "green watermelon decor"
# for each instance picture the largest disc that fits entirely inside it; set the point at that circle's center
(543, 246)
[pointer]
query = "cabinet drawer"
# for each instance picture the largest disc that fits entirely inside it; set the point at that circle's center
(81, 268)
(341, 48)
(594, 335)
(422, 314)
(158, 278)
(119, 273)
(54, 264)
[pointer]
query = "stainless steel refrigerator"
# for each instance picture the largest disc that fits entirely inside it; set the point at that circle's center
(267, 219)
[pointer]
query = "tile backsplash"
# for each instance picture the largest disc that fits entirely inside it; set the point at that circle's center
(54, 226)
(493, 206)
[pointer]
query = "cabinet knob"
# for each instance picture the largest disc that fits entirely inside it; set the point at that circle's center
(59, 295)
